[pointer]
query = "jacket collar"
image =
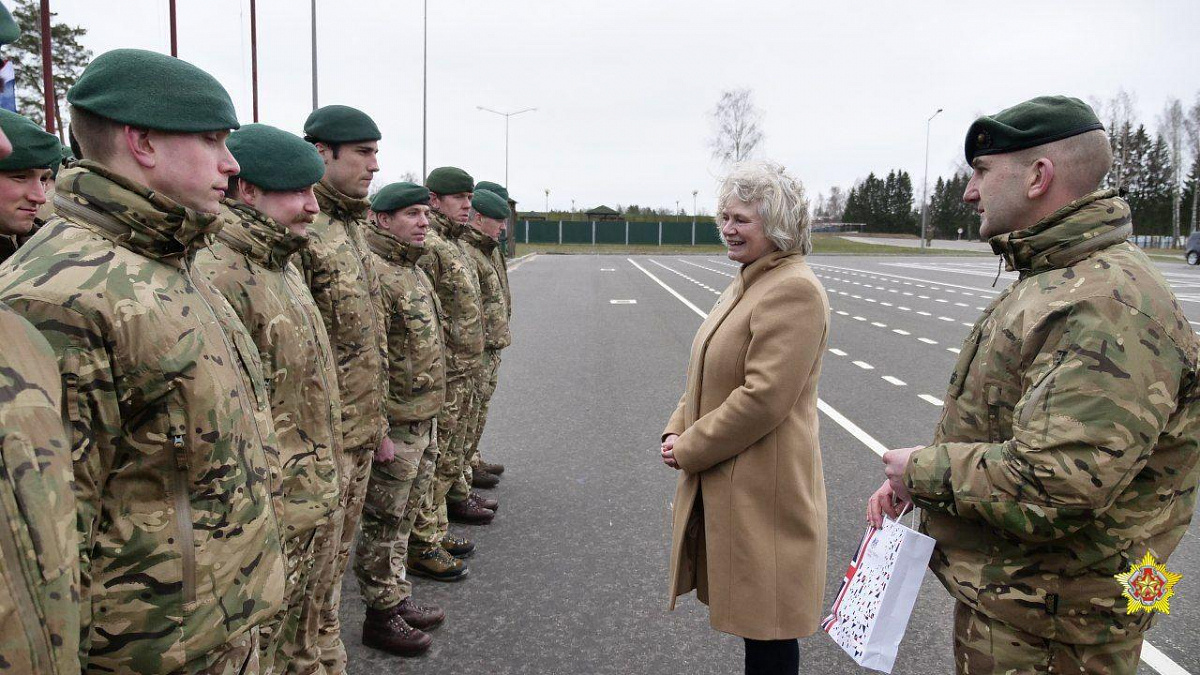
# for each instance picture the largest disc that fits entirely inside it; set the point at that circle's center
(258, 237)
(755, 270)
(389, 247)
(130, 214)
(1070, 234)
(445, 226)
(339, 205)
(479, 240)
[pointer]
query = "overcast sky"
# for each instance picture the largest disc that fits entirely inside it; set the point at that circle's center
(623, 88)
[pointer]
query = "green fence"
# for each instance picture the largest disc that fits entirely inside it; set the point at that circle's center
(631, 232)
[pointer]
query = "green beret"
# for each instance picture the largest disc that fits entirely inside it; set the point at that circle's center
(274, 159)
(1035, 122)
(492, 187)
(153, 91)
(398, 196)
(490, 204)
(9, 30)
(449, 180)
(340, 124)
(33, 148)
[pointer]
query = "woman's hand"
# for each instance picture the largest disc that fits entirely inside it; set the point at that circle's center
(668, 451)
(885, 502)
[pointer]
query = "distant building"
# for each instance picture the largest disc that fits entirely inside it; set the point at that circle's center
(602, 212)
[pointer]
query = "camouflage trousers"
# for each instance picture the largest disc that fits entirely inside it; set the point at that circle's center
(289, 641)
(452, 423)
(985, 645)
(333, 554)
(485, 388)
(394, 495)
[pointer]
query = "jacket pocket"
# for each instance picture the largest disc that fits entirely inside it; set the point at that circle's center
(963, 366)
(31, 492)
(181, 488)
(1037, 396)
(993, 396)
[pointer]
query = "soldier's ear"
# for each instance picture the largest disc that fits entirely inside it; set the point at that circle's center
(141, 145)
(1041, 177)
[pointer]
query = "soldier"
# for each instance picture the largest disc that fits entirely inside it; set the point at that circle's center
(341, 275)
(180, 557)
(269, 206)
(433, 552)
(487, 474)
(23, 192)
(481, 239)
(416, 392)
(39, 549)
(1069, 446)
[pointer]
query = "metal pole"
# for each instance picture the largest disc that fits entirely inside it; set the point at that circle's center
(506, 150)
(174, 35)
(47, 67)
(425, 96)
(925, 180)
(314, 53)
(254, 57)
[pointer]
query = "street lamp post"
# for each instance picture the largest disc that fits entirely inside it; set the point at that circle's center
(694, 193)
(925, 181)
(547, 200)
(506, 116)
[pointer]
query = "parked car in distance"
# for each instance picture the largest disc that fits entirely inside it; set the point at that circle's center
(1192, 250)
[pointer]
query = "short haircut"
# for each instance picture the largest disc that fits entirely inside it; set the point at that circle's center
(335, 148)
(96, 135)
(779, 198)
(1081, 161)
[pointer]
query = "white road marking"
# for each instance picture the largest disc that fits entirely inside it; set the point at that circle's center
(968, 325)
(907, 280)
(961, 304)
(931, 399)
(956, 350)
(904, 309)
(864, 365)
(688, 262)
(840, 312)
(878, 325)
(859, 318)
(946, 318)
(1159, 661)
(670, 290)
(608, 269)
(898, 331)
(622, 302)
(923, 313)
(895, 380)
(887, 304)
(837, 352)
(516, 263)
(928, 341)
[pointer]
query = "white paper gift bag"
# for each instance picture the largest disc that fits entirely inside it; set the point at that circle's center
(873, 605)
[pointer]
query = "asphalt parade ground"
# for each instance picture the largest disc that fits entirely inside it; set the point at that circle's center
(571, 576)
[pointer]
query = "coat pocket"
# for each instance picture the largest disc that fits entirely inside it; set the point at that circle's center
(181, 489)
(965, 357)
(32, 494)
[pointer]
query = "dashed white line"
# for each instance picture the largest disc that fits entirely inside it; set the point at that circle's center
(837, 352)
(946, 318)
(956, 350)
(864, 365)
(931, 399)
(928, 341)
(894, 380)
(899, 331)
(842, 313)
(878, 324)
(859, 318)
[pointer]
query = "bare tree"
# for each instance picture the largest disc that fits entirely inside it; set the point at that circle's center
(1118, 114)
(737, 127)
(1191, 127)
(1170, 124)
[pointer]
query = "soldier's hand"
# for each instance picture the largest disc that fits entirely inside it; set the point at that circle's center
(885, 502)
(668, 451)
(386, 451)
(894, 464)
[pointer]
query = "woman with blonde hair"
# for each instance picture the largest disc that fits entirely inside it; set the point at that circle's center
(749, 529)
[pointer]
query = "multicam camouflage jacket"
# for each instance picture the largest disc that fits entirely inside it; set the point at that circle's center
(168, 419)
(250, 264)
(500, 262)
(1069, 444)
(457, 288)
(479, 249)
(39, 550)
(416, 357)
(341, 276)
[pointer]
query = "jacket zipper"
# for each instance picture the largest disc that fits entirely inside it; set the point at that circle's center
(321, 362)
(183, 504)
(234, 356)
(35, 630)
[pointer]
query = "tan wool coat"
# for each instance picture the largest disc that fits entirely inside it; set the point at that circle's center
(749, 528)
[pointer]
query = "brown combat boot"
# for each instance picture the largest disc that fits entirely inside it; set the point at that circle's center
(459, 547)
(387, 630)
(494, 469)
(483, 502)
(483, 479)
(468, 512)
(435, 563)
(419, 616)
